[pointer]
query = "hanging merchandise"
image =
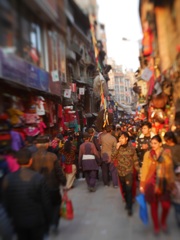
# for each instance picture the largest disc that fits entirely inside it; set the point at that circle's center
(67, 93)
(15, 116)
(32, 130)
(157, 88)
(73, 87)
(41, 126)
(30, 118)
(60, 111)
(40, 102)
(146, 74)
(147, 39)
(142, 85)
(81, 91)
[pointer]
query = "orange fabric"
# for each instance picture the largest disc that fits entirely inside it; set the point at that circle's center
(149, 167)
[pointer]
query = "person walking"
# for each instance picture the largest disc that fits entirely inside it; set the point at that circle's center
(88, 161)
(48, 165)
(26, 199)
(108, 145)
(171, 143)
(176, 195)
(6, 229)
(143, 142)
(126, 158)
(156, 181)
(69, 154)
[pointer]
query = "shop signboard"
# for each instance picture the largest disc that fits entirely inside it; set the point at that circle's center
(19, 71)
(37, 78)
(12, 68)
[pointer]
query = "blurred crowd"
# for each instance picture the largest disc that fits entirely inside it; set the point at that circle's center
(132, 157)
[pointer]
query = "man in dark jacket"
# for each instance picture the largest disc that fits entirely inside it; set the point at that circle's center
(143, 142)
(26, 199)
(48, 165)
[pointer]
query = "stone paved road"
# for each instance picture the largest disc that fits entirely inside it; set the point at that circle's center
(101, 216)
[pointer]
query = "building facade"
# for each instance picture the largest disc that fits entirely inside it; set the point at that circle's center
(46, 60)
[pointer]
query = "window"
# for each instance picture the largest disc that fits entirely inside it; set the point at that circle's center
(122, 89)
(53, 49)
(20, 31)
(121, 80)
(7, 19)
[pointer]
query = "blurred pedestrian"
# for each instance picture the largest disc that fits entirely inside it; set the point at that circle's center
(108, 145)
(88, 161)
(156, 181)
(69, 154)
(176, 195)
(171, 143)
(127, 160)
(48, 165)
(6, 230)
(143, 142)
(26, 199)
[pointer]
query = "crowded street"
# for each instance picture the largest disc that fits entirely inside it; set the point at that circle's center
(101, 216)
(89, 119)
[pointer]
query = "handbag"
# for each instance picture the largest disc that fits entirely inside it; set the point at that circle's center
(143, 212)
(66, 209)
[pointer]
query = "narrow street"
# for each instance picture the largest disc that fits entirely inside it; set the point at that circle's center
(101, 216)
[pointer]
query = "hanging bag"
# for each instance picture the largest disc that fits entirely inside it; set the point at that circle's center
(143, 212)
(66, 209)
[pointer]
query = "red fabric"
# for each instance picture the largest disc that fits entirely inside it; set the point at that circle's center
(147, 42)
(154, 213)
(68, 168)
(54, 143)
(60, 111)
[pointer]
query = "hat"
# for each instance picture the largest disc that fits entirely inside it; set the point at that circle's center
(42, 139)
(177, 170)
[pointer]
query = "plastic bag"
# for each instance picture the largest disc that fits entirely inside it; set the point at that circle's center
(143, 212)
(66, 209)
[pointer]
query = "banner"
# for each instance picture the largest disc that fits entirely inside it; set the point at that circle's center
(67, 93)
(55, 76)
(81, 91)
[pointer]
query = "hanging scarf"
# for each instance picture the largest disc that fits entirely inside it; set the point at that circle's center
(161, 181)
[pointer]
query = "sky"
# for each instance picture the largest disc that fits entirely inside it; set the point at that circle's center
(121, 19)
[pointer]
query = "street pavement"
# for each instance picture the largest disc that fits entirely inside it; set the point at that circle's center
(101, 215)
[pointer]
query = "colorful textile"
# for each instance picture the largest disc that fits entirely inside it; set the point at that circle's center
(127, 160)
(154, 172)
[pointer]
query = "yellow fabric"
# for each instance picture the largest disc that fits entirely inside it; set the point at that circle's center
(14, 115)
(149, 166)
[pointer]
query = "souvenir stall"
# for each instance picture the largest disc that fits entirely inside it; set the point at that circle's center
(159, 102)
